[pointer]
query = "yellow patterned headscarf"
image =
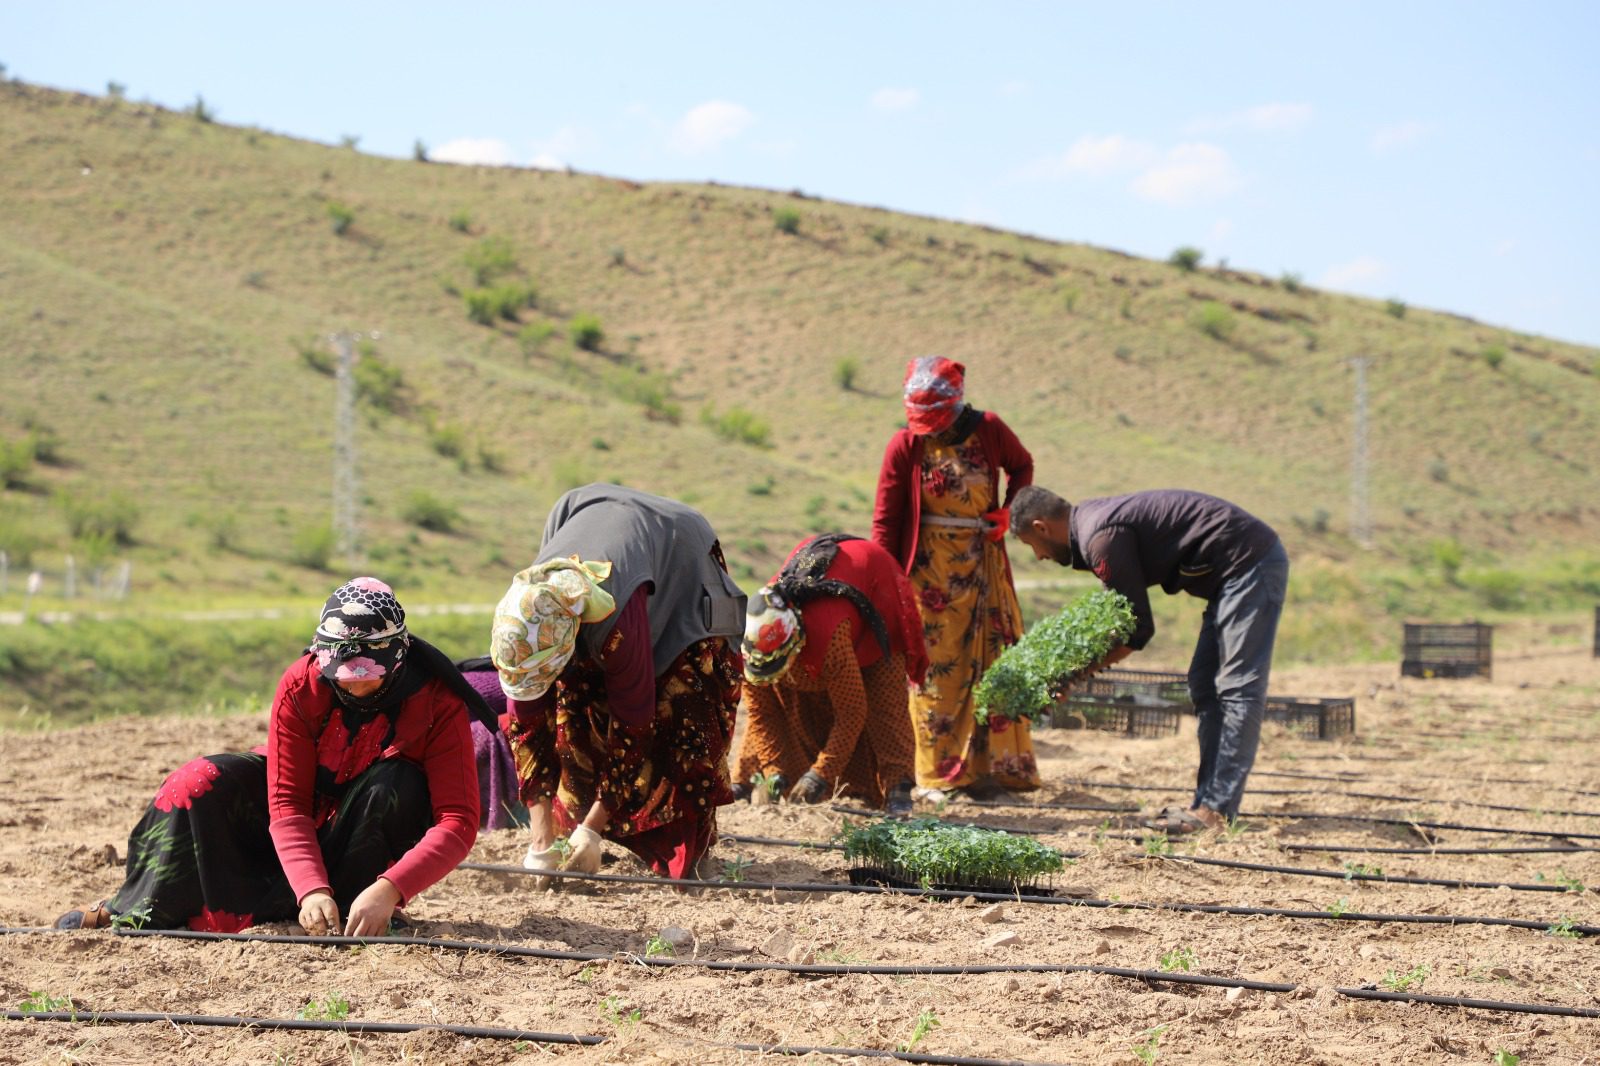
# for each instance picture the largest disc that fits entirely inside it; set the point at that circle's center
(536, 622)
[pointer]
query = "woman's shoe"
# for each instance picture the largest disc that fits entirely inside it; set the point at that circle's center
(94, 916)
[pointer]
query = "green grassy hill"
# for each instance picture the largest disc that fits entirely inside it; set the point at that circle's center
(164, 280)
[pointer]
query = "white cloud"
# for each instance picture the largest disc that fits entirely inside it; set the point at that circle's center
(473, 151)
(1357, 273)
(1221, 229)
(891, 100)
(1188, 174)
(1095, 156)
(555, 152)
(709, 125)
(1397, 135)
(1263, 118)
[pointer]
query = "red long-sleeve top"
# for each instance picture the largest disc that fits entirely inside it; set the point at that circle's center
(432, 730)
(897, 514)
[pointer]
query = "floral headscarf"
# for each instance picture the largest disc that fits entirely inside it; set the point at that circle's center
(536, 622)
(362, 633)
(772, 635)
(935, 393)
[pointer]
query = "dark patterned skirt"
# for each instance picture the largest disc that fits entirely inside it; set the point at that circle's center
(663, 783)
(202, 856)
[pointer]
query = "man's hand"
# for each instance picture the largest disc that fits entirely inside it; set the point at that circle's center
(370, 913)
(319, 914)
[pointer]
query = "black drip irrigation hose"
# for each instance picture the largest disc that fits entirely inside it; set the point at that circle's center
(1295, 871)
(1354, 776)
(482, 1033)
(1059, 901)
(801, 969)
(1365, 819)
(1435, 851)
(1351, 795)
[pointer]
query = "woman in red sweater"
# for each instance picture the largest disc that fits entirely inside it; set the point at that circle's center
(941, 513)
(365, 793)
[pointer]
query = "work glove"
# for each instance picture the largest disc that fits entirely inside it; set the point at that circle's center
(811, 788)
(585, 855)
(999, 521)
(548, 859)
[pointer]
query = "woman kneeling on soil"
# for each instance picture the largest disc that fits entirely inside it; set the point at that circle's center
(838, 723)
(613, 652)
(365, 793)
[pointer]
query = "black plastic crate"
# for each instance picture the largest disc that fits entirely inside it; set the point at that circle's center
(1313, 719)
(1455, 650)
(1117, 716)
(1151, 688)
(893, 875)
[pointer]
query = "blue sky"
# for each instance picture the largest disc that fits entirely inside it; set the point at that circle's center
(1444, 153)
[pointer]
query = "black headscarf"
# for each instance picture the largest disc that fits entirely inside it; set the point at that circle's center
(803, 578)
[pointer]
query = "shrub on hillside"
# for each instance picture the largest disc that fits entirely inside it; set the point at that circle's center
(461, 221)
(1186, 257)
(1395, 308)
(651, 391)
(532, 337)
(378, 383)
(738, 425)
(116, 90)
(1215, 320)
(586, 332)
(1291, 281)
(314, 354)
(427, 511)
(845, 371)
(312, 546)
(342, 217)
(1494, 355)
(16, 462)
(112, 515)
(201, 111)
(491, 258)
(448, 440)
(786, 220)
(419, 151)
(485, 306)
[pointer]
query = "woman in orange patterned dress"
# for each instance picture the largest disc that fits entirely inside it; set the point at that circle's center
(940, 512)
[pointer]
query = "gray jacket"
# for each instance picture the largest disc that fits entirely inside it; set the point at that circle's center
(647, 539)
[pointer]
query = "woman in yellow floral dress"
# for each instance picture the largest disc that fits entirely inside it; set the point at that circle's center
(941, 513)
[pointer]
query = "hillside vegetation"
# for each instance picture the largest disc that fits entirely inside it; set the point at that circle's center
(167, 285)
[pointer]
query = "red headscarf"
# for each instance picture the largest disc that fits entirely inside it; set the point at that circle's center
(935, 390)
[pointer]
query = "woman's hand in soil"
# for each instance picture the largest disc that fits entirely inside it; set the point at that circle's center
(370, 913)
(319, 914)
(585, 857)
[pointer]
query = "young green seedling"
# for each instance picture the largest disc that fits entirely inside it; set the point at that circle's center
(1157, 846)
(1177, 959)
(136, 918)
(1502, 1057)
(334, 1008)
(1353, 870)
(1146, 1051)
(1339, 907)
(735, 868)
(1403, 982)
(926, 1022)
(658, 948)
(1564, 929)
(933, 852)
(44, 1003)
(612, 1008)
(1562, 878)
(1023, 681)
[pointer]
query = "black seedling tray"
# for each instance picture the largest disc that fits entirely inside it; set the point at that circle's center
(1313, 719)
(898, 878)
(1448, 650)
(1117, 716)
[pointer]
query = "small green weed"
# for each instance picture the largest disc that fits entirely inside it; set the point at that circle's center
(1564, 929)
(461, 221)
(1502, 1057)
(334, 1008)
(1157, 846)
(1234, 829)
(786, 220)
(1394, 308)
(615, 1010)
(44, 1003)
(926, 1022)
(840, 957)
(1352, 870)
(1146, 1051)
(1339, 907)
(1494, 355)
(136, 918)
(1291, 281)
(738, 425)
(533, 336)
(845, 372)
(1177, 959)
(587, 974)
(426, 511)
(656, 948)
(489, 259)
(1562, 878)
(1404, 982)
(1215, 321)
(735, 868)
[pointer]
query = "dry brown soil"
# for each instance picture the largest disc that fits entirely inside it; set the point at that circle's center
(68, 799)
